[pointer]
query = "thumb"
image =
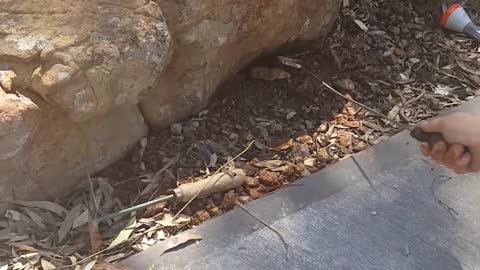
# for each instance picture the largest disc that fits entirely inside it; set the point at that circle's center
(434, 125)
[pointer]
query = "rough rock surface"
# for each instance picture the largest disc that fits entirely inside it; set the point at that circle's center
(84, 66)
(73, 74)
(214, 39)
(44, 153)
(85, 57)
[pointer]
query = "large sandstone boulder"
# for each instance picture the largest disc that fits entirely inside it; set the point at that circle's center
(216, 38)
(74, 74)
(71, 75)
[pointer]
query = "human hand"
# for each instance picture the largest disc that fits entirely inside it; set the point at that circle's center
(460, 151)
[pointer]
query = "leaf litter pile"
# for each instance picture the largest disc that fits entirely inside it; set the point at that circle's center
(386, 54)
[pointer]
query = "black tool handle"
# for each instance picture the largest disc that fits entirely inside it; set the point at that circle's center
(430, 137)
(422, 136)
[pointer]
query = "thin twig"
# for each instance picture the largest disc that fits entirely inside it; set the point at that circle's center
(208, 182)
(244, 208)
(92, 193)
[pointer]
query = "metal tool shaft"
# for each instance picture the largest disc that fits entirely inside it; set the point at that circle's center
(136, 208)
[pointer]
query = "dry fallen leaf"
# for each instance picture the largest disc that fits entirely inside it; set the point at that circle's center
(26, 248)
(465, 67)
(124, 235)
(46, 265)
(281, 168)
(36, 218)
(361, 25)
(310, 162)
(12, 215)
(82, 219)
(90, 265)
(50, 206)
(345, 138)
(168, 221)
(67, 224)
(393, 113)
(443, 90)
(352, 124)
